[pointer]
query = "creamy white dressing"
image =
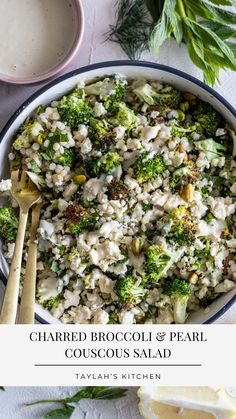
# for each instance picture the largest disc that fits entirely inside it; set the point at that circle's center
(36, 35)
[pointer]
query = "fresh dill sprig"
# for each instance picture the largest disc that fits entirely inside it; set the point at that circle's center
(132, 28)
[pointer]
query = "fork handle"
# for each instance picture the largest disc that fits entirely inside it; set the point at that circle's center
(10, 302)
(27, 305)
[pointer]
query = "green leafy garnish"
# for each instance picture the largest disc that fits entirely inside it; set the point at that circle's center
(57, 137)
(204, 26)
(99, 393)
(65, 413)
(35, 167)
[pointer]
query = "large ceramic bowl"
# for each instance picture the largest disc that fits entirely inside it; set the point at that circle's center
(132, 69)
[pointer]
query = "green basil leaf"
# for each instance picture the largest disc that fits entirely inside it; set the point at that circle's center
(2, 388)
(59, 413)
(223, 31)
(107, 393)
(111, 393)
(85, 393)
(163, 29)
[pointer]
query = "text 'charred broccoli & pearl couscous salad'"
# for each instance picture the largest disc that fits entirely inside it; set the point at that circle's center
(139, 181)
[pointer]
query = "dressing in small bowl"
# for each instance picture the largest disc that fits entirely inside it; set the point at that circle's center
(38, 38)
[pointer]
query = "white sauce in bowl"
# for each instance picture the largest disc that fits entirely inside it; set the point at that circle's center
(35, 36)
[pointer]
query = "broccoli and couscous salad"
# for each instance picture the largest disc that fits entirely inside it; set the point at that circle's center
(139, 184)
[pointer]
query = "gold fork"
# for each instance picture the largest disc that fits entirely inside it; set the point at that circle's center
(26, 194)
(27, 303)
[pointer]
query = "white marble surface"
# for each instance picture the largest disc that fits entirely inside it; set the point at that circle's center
(98, 15)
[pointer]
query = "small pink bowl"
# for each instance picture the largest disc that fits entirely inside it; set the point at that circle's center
(79, 31)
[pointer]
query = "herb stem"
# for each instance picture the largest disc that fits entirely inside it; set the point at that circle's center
(183, 15)
(181, 8)
(45, 401)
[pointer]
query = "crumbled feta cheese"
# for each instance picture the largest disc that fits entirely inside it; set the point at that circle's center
(225, 286)
(100, 317)
(221, 207)
(148, 133)
(72, 298)
(99, 109)
(211, 231)
(5, 185)
(119, 132)
(92, 188)
(86, 146)
(105, 254)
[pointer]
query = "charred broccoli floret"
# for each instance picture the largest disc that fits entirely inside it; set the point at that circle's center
(74, 110)
(105, 164)
(79, 219)
(179, 291)
(158, 261)
(168, 96)
(67, 158)
(183, 175)
(100, 132)
(207, 117)
(108, 88)
(179, 131)
(110, 161)
(128, 289)
(8, 225)
(112, 103)
(113, 318)
(117, 189)
(148, 167)
(52, 302)
(211, 148)
(177, 226)
(125, 117)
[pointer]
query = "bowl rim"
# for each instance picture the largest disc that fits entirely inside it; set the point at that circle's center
(79, 12)
(116, 63)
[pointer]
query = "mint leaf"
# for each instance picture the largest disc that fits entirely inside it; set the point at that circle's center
(219, 13)
(221, 30)
(163, 29)
(223, 2)
(214, 40)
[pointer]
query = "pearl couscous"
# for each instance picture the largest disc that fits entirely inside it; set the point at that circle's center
(139, 181)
